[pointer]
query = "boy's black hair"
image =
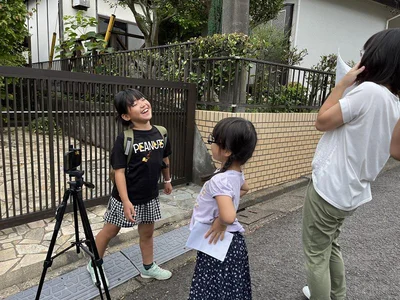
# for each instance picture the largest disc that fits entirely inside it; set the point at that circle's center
(237, 135)
(123, 100)
(382, 60)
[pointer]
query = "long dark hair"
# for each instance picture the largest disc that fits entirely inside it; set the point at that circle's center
(236, 135)
(123, 100)
(382, 60)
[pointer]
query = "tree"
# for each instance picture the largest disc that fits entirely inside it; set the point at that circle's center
(13, 31)
(185, 24)
(262, 11)
(150, 14)
(215, 17)
(78, 39)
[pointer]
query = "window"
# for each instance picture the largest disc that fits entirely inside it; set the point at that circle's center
(124, 35)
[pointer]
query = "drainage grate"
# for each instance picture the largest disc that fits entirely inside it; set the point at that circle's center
(253, 214)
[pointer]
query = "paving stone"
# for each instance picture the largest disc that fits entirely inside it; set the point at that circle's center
(12, 235)
(8, 230)
(28, 241)
(22, 229)
(17, 238)
(37, 224)
(68, 229)
(49, 235)
(30, 259)
(183, 197)
(35, 234)
(7, 254)
(62, 239)
(30, 249)
(6, 266)
(7, 246)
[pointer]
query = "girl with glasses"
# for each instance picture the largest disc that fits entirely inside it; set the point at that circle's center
(233, 141)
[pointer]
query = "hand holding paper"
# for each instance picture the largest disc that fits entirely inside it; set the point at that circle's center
(217, 231)
(346, 75)
(198, 242)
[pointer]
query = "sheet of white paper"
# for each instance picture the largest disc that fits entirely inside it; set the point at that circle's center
(342, 69)
(197, 241)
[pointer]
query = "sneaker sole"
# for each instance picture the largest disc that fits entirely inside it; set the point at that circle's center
(150, 277)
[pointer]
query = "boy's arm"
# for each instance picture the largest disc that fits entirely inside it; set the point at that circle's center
(244, 189)
(167, 176)
(395, 142)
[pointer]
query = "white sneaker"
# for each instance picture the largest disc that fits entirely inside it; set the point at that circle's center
(90, 269)
(306, 292)
(156, 272)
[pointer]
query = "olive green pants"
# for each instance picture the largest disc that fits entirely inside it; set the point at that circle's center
(324, 263)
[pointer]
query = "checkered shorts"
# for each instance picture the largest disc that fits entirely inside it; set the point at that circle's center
(145, 213)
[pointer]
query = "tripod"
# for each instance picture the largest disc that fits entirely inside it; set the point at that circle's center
(88, 245)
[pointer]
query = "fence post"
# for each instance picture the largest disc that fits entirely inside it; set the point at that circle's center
(51, 145)
(190, 121)
(187, 63)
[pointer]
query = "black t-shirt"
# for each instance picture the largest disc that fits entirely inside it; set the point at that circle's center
(144, 169)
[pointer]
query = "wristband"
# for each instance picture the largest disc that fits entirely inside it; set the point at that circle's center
(168, 181)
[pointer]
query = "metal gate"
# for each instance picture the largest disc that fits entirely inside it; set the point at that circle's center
(43, 112)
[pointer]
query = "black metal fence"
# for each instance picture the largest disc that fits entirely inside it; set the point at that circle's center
(242, 84)
(227, 83)
(169, 62)
(43, 112)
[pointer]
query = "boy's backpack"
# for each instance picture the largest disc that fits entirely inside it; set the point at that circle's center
(128, 146)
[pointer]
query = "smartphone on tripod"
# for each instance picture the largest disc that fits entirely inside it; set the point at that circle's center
(72, 160)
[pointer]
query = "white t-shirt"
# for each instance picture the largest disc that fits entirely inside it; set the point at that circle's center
(348, 158)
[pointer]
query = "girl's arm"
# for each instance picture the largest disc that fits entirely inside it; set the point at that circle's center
(167, 176)
(244, 189)
(395, 142)
(227, 211)
(120, 181)
(227, 215)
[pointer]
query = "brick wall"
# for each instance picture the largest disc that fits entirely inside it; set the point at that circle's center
(285, 148)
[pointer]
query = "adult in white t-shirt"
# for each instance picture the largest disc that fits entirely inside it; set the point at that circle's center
(349, 156)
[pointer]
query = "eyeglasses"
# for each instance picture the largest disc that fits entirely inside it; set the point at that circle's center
(211, 139)
(362, 51)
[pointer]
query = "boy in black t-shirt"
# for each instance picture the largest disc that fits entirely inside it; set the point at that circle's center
(134, 198)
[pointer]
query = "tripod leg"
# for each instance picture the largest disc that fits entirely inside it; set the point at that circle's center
(48, 261)
(90, 242)
(78, 250)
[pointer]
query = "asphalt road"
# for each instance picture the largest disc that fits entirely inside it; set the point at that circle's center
(370, 245)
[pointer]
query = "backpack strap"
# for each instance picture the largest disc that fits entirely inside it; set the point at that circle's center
(128, 144)
(163, 132)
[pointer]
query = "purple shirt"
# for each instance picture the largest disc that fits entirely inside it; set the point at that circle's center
(206, 210)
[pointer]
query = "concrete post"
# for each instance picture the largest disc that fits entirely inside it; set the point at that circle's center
(235, 18)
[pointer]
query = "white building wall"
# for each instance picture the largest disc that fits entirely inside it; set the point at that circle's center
(45, 21)
(41, 25)
(324, 26)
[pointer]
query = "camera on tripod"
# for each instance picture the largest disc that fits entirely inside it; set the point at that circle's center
(72, 159)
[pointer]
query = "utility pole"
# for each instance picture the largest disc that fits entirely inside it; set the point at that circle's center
(235, 18)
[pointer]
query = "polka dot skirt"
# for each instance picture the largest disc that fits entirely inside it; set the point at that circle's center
(227, 280)
(145, 213)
